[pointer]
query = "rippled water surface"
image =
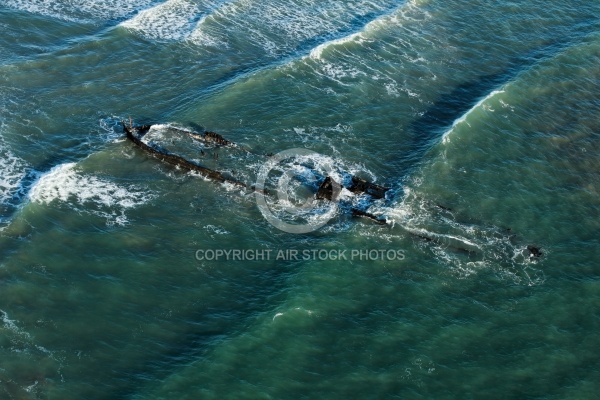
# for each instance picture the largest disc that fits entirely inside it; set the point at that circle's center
(481, 118)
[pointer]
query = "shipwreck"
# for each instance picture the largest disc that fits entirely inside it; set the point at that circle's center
(325, 191)
(328, 189)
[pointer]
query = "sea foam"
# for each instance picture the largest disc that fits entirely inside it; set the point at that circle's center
(171, 20)
(99, 196)
(279, 27)
(13, 171)
(80, 10)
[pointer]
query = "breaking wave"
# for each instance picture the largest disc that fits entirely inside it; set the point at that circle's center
(16, 177)
(346, 61)
(279, 27)
(394, 18)
(171, 20)
(102, 197)
(483, 104)
(13, 171)
(81, 10)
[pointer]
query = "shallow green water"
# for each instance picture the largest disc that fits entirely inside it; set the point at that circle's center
(481, 118)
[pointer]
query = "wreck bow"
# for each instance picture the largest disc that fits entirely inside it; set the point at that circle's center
(135, 135)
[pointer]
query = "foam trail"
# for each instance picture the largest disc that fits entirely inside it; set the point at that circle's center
(463, 118)
(489, 247)
(12, 326)
(23, 343)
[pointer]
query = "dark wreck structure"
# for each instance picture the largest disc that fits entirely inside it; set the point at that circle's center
(328, 189)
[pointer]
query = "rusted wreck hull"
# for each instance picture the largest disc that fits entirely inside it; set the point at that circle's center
(134, 134)
(328, 190)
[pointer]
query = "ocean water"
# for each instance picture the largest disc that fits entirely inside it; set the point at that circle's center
(481, 117)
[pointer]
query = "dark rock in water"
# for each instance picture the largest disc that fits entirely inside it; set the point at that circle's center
(534, 252)
(444, 208)
(360, 185)
(216, 138)
(329, 190)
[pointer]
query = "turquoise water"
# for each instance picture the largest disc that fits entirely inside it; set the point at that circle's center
(482, 118)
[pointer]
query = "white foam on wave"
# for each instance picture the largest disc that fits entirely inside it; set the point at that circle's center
(20, 338)
(317, 52)
(386, 20)
(171, 20)
(338, 72)
(217, 230)
(64, 183)
(13, 171)
(80, 10)
(463, 119)
(278, 26)
(202, 37)
(16, 177)
(347, 61)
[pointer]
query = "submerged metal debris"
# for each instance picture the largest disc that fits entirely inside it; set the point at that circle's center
(325, 192)
(329, 189)
(135, 134)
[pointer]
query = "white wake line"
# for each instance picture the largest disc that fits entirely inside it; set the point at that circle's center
(463, 118)
(447, 239)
